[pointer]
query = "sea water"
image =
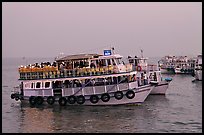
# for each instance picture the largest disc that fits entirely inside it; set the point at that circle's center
(179, 111)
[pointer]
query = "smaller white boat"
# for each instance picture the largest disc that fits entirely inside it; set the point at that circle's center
(161, 85)
(152, 73)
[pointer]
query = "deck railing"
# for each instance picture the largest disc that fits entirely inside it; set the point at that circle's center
(53, 72)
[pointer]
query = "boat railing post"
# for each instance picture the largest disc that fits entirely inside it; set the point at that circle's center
(82, 87)
(115, 85)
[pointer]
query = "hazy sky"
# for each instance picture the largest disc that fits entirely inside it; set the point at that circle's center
(38, 29)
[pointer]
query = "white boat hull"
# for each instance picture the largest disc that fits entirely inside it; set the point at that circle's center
(140, 96)
(160, 88)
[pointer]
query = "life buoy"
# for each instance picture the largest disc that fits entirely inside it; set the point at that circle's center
(39, 100)
(118, 95)
(80, 99)
(62, 101)
(17, 98)
(71, 99)
(105, 97)
(139, 68)
(50, 100)
(130, 94)
(32, 100)
(13, 96)
(94, 99)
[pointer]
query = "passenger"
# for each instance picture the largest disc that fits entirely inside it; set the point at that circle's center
(93, 65)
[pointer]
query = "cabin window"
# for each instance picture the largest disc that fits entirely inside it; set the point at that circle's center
(113, 61)
(99, 82)
(115, 80)
(109, 81)
(57, 84)
(32, 85)
(77, 83)
(47, 84)
(102, 63)
(118, 61)
(38, 84)
(109, 62)
(28, 75)
(89, 82)
(27, 85)
(124, 79)
(66, 83)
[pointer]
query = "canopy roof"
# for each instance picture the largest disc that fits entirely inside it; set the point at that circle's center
(78, 57)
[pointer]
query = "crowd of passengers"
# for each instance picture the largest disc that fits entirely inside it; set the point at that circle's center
(42, 64)
(99, 82)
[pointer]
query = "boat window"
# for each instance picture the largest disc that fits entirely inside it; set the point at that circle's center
(115, 80)
(32, 85)
(102, 63)
(99, 82)
(113, 61)
(66, 84)
(38, 84)
(109, 62)
(47, 84)
(88, 82)
(122, 79)
(27, 85)
(57, 84)
(28, 75)
(77, 83)
(109, 81)
(155, 76)
(118, 61)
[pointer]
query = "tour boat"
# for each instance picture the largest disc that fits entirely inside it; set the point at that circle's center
(152, 73)
(82, 79)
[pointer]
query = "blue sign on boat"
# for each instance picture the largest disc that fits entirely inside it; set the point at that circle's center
(107, 52)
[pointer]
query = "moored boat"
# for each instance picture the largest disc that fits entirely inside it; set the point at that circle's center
(176, 64)
(152, 73)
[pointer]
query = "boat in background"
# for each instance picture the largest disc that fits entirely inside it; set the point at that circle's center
(166, 64)
(177, 64)
(198, 68)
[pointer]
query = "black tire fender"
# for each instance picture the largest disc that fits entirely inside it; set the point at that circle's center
(71, 99)
(130, 94)
(118, 95)
(94, 99)
(80, 99)
(32, 100)
(13, 96)
(105, 97)
(39, 100)
(62, 101)
(50, 100)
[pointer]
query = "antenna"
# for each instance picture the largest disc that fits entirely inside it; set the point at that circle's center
(113, 50)
(141, 53)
